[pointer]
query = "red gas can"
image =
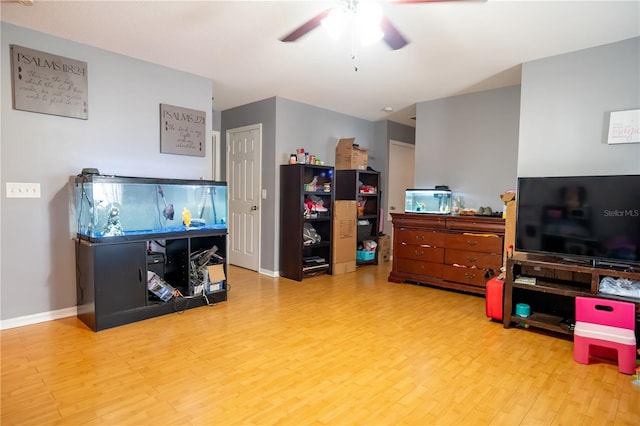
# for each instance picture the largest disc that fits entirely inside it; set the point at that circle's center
(494, 298)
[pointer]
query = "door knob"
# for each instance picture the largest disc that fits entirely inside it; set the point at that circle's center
(254, 208)
(392, 207)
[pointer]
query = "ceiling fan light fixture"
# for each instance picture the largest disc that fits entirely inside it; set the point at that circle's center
(368, 21)
(369, 13)
(335, 23)
(370, 35)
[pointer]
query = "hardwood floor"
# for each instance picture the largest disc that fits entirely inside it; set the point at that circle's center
(332, 350)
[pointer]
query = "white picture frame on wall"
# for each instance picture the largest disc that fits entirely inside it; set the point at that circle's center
(624, 127)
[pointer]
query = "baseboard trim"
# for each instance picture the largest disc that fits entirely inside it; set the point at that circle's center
(38, 318)
(71, 312)
(273, 274)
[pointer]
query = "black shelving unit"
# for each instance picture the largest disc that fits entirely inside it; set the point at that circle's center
(363, 186)
(304, 187)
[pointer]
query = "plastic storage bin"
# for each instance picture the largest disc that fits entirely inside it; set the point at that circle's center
(363, 255)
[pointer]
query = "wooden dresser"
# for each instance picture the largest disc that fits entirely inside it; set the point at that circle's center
(452, 252)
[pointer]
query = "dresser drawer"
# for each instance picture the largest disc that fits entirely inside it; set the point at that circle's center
(472, 242)
(416, 267)
(416, 236)
(476, 224)
(473, 258)
(418, 220)
(425, 254)
(470, 276)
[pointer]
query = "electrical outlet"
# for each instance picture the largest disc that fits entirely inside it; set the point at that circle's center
(23, 190)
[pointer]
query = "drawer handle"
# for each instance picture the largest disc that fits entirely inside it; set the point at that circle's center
(403, 243)
(425, 245)
(469, 276)
(419, 252)
(472, 243)
(472, 259)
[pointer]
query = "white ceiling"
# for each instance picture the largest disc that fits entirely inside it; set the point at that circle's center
(455, 47)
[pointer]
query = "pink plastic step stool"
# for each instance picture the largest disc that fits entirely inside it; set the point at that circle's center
(603, 324)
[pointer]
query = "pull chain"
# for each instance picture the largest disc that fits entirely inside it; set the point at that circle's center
(354, 45)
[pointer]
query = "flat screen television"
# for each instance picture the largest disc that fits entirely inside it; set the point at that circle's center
(590, 219)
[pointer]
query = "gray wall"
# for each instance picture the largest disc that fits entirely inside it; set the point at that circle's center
(566, 101)
(121, 137)
(401, 132)
(216, 125)
(317, 130)
(470, 143)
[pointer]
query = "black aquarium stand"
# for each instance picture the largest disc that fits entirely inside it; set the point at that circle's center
(111, 277)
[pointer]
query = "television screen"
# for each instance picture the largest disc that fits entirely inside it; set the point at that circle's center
(593, 217)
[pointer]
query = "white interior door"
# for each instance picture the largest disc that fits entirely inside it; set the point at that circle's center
(244, 146)
(401, 175)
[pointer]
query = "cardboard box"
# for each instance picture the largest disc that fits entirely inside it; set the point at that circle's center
(344, 237)
(384, 248)
(349, 157)
(343, 268)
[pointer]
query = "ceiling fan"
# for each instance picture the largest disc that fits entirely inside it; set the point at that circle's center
(356, 8)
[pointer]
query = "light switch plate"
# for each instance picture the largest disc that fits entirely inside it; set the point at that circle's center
(23, 190)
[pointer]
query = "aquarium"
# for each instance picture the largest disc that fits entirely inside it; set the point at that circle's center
(114, 207)
(427, 201)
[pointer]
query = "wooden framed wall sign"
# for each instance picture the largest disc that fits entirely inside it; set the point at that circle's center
(182, 131)
(48, 84)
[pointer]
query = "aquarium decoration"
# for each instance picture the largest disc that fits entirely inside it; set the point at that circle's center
(168, 211)
(113, 227)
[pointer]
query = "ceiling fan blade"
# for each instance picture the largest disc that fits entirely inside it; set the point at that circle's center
(306, 27)
(392, 36)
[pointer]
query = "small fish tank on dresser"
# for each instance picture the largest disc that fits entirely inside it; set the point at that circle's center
(114, 208)
(437, 200)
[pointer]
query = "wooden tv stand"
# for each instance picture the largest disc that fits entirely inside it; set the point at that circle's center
(557, 284)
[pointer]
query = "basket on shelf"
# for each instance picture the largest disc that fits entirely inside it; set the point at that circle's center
(364, 230)
(362, 255)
